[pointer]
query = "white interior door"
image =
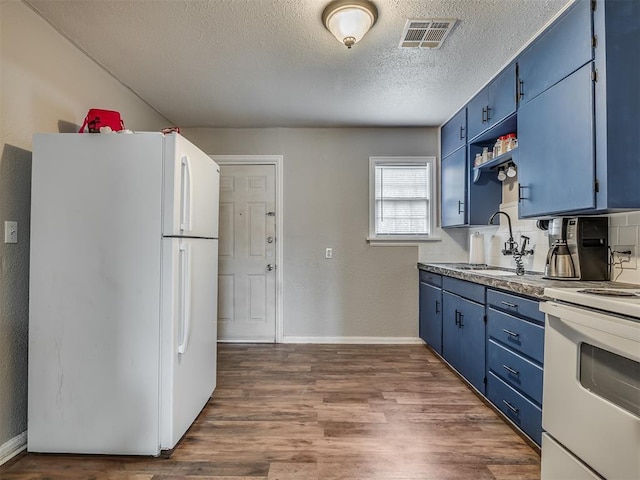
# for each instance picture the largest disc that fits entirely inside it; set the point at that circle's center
(247, 257)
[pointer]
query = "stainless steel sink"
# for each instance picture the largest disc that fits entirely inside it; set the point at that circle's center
(492, 271)
(468, 266)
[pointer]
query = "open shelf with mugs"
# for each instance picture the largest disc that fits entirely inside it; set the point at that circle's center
(495, 151)
(508, 161)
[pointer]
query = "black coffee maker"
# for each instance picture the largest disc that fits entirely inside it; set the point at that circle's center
(578, 249)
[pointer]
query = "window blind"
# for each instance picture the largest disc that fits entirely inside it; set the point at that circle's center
(402, 199)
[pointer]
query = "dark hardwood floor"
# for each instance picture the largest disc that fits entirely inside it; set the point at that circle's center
(323, 412)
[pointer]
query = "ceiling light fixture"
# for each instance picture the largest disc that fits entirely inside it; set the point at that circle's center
(349, 20)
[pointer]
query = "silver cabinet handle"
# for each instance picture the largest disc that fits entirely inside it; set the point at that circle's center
(511, 407)
(510, 333)
(511, 370)
(510, 305)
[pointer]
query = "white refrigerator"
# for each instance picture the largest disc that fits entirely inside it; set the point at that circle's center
(123, 291)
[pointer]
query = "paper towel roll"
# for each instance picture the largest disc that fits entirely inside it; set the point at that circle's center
(476, 248)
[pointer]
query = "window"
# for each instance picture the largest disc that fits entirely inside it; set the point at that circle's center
(401, 201)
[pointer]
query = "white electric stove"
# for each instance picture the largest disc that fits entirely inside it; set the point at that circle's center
(591, 390)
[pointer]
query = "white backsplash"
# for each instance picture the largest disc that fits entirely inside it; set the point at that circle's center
(624, 229)
(496, 236)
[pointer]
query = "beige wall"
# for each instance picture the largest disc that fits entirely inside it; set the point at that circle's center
(363, 291)
(46, 85)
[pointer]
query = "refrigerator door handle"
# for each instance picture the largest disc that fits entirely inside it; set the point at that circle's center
(185, 296)
(187, 196)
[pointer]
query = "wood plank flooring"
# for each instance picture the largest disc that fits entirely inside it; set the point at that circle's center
(323, 412)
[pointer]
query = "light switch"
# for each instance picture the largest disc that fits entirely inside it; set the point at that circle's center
(10, 232)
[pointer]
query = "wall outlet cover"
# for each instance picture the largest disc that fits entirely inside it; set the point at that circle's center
(624, 256)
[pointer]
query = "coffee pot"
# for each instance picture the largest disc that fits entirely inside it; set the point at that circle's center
(559, 262)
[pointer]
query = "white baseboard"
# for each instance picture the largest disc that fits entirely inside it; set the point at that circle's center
(246, 340)
(356, 340)
(13, 447)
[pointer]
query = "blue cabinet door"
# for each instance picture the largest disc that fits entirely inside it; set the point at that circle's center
(477, 113)
(502, 96)
(454, 133)
(463, 337)
(471, 325)
(556, 167)
(453, 188)
(430, 327)
(451, 335)
(493, 103)
(558, 52)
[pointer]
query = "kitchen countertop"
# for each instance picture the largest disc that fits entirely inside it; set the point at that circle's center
(530, 284)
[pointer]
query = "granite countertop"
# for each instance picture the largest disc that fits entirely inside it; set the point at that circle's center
(530, 284)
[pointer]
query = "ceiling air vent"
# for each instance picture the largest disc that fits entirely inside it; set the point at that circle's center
(426, 33)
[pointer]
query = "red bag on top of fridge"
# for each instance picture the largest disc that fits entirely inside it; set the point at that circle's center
(98, 118)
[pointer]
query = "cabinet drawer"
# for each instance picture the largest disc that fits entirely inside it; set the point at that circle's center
(515, 370)
(517, 408)
(432, 279)
(515, 304)
(520, 335)
(472, 291)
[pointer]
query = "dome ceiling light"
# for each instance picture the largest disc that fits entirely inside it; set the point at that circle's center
(349, 20)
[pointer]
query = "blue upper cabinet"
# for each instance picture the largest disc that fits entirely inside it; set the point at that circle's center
(617, 104)
(493, 103)
(578, 139)
(555, 150)
(577, 120)
(453, 189)
(561, 50)
(454, 133)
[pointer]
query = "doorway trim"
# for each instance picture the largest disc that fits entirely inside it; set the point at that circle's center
(277, 161)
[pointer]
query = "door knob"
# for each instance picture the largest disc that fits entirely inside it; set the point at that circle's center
(270, 267)
(269, 239)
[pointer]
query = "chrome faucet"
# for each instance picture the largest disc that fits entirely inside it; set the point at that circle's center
(511, 246)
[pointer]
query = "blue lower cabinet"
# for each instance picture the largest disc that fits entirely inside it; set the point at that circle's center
(430, 326)
(521, 411)
(492, 338)
(463, 333)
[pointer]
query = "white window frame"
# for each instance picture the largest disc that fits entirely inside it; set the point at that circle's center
(377, 239)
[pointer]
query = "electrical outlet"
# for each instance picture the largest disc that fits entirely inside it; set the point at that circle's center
(624, 256)
(328, 253)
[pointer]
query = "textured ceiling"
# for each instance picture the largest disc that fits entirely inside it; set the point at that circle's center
(271, 63)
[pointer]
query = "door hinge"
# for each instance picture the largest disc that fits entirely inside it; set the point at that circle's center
(593, 5)
(484, 317)
(594, 41)
(594, 75)
(596, 186)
